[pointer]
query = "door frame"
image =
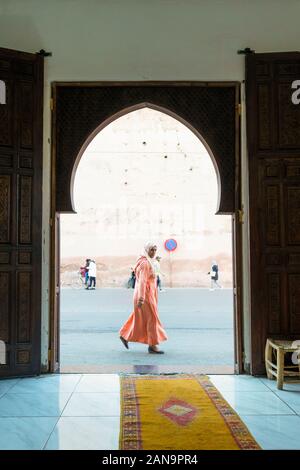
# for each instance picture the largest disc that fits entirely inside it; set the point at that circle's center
(54, 313)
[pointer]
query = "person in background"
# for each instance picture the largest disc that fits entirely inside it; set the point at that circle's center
(143, 325)
(92, 272)
(87, 262)
(84, 272)
(131, 280)
(158, 272)
(214, 275)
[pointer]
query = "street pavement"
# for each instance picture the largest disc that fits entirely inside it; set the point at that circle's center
(198, 322)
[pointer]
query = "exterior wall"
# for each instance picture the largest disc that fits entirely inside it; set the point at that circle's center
(142, 40)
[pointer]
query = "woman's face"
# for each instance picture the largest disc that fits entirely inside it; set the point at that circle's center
(152, 251)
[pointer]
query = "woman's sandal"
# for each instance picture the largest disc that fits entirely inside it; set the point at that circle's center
(154, 351)
(124, 342)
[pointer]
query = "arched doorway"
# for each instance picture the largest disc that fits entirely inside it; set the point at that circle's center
(212, 109)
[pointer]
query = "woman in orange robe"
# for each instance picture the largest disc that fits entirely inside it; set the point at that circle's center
(143, 325)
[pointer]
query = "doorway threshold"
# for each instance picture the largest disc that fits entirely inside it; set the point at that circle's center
(147, 369)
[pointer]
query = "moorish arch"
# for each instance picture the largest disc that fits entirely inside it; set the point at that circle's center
(126, 111)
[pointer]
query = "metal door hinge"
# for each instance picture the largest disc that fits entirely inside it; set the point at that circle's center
(238, 108)
(43, 53)
(49, 355)
(51, 104)
(240, 214)
(246, 50)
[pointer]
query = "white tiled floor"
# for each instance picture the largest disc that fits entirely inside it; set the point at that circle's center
(268, 413)
(77, 411)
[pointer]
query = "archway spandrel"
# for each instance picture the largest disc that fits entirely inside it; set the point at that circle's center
(207, 110)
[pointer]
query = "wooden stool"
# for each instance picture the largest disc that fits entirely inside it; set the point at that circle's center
(280, 347)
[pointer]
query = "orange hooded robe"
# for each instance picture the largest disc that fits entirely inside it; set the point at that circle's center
(143, 325)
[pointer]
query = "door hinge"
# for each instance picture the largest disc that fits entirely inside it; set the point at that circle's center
(49, 355)
(240, 214)
(50, 221)
(238, 108)
(51, 104)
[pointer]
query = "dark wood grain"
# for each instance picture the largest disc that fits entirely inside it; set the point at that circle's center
(273, 135)
(21, 128)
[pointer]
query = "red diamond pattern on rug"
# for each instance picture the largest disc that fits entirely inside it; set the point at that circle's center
(178, 411)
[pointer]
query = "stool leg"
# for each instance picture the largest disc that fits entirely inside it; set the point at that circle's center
(280, 368)
(268, 356)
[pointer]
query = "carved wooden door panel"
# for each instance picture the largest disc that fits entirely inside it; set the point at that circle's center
(273, 128)
(21, 111)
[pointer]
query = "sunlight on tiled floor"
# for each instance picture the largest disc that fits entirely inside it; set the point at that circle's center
(82, 411)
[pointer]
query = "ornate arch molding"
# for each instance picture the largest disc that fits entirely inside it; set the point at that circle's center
(81, 110)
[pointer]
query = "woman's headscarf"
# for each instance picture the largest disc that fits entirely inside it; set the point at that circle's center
(147, 247)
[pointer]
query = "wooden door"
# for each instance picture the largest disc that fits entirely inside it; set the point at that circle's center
(273, 134)
(21, 127)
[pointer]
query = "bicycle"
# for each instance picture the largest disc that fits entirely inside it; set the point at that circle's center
(79, 282)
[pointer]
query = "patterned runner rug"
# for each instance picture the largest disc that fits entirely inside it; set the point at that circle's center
(178, 412)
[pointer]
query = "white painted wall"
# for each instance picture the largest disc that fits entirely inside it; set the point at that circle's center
(143, 40)
(146, 40)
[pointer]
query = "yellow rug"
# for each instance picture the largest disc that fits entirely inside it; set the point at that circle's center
(178, 412)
